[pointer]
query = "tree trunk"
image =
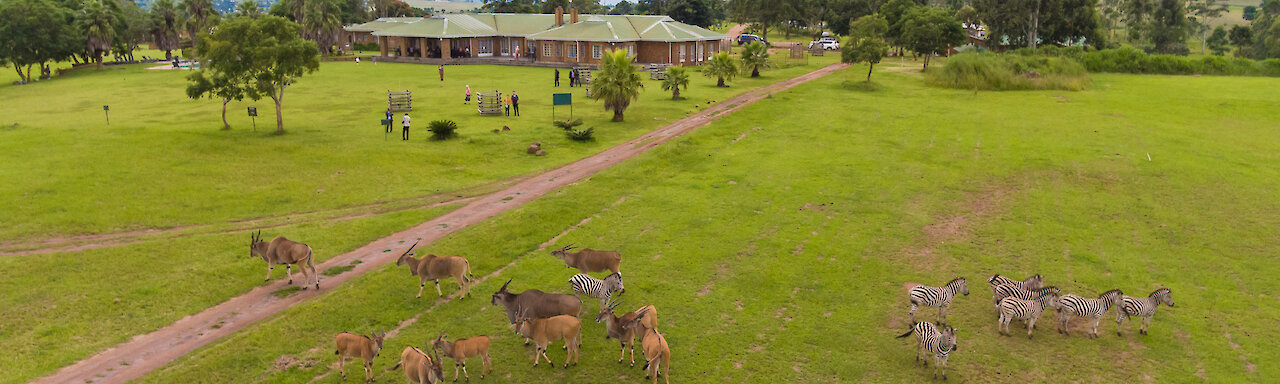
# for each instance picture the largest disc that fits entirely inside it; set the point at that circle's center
(279, 117)
(1204, 35)
(873, 66)
(720, 82)
(675, 94)
(97, 58)
(28, 78)
(755, 71)
(1035, 25)
(20, 76)
(617, 115)
(168, 55)
(225, 126)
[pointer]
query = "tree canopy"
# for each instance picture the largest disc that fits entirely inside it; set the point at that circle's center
(263, 55)
(866, 45)
(755, 55)
(928, 30)
(721, 67)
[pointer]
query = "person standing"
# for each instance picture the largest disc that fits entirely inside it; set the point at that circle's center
(467, 100)
(573, 75)
(405, 132)
(506, 104)
(557, 77)
(357, 60)
(441, 70)
(515, 102)
(390, 119)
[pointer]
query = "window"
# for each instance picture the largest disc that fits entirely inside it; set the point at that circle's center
(506, 47)
(546, 50)
(573, 51)
(595, 51)
(700, 56)
(485, 47)
(683, 50)
(631, 51)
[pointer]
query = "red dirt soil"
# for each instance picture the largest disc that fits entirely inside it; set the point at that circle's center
(145, 353)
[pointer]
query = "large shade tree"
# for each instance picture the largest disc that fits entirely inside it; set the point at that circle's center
(216, 85)
(166, 25)
(928, 31)
(200, 17)
(321, 21)
(34, 32)
(266, 54)
(617, 83)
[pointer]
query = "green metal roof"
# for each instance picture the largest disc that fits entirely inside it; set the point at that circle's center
(600, 28)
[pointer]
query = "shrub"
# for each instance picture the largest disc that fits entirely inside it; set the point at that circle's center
(365, 47)
(583, 135)
(989, 71)
(443, 129)
(567, 125)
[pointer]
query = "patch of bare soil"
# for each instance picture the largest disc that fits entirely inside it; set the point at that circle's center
(956, 226)
(290, 361)
(145, 353)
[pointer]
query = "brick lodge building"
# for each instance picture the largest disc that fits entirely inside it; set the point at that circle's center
(547, 39)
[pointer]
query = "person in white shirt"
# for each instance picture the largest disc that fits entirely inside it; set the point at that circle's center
(405, 133)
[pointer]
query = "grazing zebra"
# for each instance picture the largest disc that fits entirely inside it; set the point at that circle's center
(1142, 307)
(601, 289)
(1072, 305)
(1010, 290)
(936, 297)
(931, 340)
(1028, 310)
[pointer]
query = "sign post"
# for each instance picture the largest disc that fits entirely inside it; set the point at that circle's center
(106, 112)
(253, 114)
(561, 99)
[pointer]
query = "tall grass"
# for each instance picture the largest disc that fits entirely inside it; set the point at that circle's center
(995, 72)
(1133, 60)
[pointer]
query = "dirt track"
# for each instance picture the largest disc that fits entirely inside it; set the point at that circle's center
(145, 353)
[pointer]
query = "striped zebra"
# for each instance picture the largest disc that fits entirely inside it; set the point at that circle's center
(584, 284)
(1142, 307)
(1027, 310)
(1072, 305)
(932, 340)
(1010, 290)
(936, 297)
(1033, 282)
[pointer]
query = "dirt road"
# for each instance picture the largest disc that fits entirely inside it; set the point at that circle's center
(145, 353)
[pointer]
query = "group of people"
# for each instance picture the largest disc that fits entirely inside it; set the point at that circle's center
(509, 103)
(404, 134)
(574, 78)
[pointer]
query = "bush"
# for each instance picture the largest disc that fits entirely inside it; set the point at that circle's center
(567, 125)
(365, 47)
(443, 129)
(583, 135)
(996, 72)
(1132, 60)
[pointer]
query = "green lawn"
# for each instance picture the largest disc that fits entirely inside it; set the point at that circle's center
(163, 163)
(777, 243)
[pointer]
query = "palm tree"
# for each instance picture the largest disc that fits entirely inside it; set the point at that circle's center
(755, 56)
(722, 67)
(321, 21)
(198, 14)
(676, 78)
(617, 83)
(247, 8)
(96, 21)
(166, 22)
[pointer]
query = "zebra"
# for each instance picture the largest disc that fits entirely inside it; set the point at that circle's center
(1010, 290)
(584, 284)
(1142, 307)
(940, 297)
(1029, 310)
(1072, 305)
(1033, 282)
(932, 340)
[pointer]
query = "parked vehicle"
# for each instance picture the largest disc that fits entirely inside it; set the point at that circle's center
(747, 38)
(827, 43)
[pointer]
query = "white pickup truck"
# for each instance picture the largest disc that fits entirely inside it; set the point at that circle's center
(827, 43)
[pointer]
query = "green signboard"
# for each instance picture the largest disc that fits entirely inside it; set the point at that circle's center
(562, 99)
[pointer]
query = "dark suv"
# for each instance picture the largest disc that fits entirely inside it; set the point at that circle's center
(747, 38)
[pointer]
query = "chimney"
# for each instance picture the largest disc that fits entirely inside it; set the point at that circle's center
(559, 16)
(573, 15)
